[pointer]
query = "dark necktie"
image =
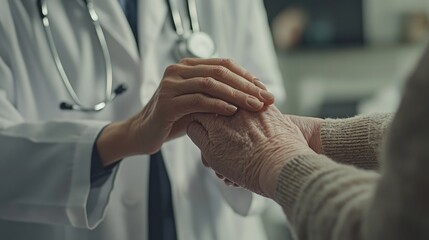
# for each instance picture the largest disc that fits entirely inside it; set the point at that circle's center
(160, 215)
(131, 13)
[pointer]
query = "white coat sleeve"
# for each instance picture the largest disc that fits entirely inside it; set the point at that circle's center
(260, 59)
(44, 166)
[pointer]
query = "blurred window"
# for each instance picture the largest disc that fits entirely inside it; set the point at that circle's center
(316, 23)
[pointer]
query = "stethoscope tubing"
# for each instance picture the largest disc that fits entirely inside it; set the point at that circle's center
(177, 18)
(109, 94)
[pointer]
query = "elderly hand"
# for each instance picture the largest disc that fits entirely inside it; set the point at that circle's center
(250, 148)
(310, 128)
(193, 86)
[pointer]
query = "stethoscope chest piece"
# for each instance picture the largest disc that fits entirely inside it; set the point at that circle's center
(195, 45)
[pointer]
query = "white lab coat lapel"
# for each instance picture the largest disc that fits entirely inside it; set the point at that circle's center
(152, 16)
(115, 24)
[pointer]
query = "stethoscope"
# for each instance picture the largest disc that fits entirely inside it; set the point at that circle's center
(195, 44)
(77, 105)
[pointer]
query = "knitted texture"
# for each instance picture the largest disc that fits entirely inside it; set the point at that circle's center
(317, 190)
(355, 141)
(326, 200)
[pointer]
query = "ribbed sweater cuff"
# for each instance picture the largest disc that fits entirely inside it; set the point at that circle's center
(295, 174)
(355, 141)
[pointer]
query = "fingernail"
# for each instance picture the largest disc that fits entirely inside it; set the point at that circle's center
(254, 102)
(259, 84)
(231, 108)
(267, 96)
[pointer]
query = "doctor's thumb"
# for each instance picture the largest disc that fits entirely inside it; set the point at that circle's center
(198, 134)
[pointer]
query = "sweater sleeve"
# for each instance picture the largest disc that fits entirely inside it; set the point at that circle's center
(328, 200)
(326, 196)
(355, 141)
(325, 200)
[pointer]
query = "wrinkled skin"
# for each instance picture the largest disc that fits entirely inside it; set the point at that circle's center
(310, 129)
(217, 86)
(250, 148)
(195, 85)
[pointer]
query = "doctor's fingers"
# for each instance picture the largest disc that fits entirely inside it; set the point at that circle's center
(228, 77)
(183, 105)
(227, 63)
(219, 90)
(210, 122)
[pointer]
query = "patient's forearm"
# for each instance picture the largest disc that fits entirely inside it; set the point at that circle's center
(355, 141)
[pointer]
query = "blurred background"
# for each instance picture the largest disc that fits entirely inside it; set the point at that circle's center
(340, 58)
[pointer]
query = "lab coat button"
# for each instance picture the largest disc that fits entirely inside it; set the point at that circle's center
(131, 198)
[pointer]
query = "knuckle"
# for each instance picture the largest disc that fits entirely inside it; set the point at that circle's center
(235, 94)
(220, 71)
(172, 69)
(249, 87)
(186, 61)
(207, 83)
(227, 62)
(197, 99)
(248, 75)
(166, 83)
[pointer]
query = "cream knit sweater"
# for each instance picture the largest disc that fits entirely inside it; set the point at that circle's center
(342, 195)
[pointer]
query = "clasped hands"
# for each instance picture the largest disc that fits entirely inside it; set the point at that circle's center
(250, 148)
(216, 86)
(228, 114)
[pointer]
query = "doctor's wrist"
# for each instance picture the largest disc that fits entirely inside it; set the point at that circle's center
(115, 143)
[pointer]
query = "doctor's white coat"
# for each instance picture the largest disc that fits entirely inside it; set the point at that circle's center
(45, 152)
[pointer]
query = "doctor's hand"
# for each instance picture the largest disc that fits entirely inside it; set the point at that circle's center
(215, 86)
(249, 148)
